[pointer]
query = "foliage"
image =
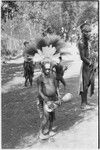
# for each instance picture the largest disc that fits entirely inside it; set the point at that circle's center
(90, 13)
(25, 20)
(7, 10)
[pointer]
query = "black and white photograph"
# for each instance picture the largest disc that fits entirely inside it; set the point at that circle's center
(50, 74)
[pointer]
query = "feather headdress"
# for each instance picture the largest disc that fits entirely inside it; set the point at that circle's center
(46, 49)
(48, 54)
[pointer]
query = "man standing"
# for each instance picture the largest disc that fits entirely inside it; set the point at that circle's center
(28, 66)
(87, 68)
(26, 44)
(49, 96)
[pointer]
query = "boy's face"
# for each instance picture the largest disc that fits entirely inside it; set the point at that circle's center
(47, 69)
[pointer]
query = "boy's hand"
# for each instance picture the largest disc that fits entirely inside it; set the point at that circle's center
(90, 64)
(59, 101)
(66, 68)
(46, 99)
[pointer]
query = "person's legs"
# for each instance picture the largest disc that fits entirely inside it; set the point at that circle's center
(84, 91)
(26, 79)
(24, 68)
(30, 80)
(24, 72)
(92, 85)
(63, 82)
(42, 134)
(85, 103)
(33, 73)
(57, 78)
(83, 97)
(40, 106)
(44, 122)
(51, 119)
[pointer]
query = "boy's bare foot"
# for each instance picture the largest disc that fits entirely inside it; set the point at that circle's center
(51, 133)
(43, 137)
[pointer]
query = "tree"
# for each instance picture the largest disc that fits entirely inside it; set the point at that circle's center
(7, 10)
(89, 13)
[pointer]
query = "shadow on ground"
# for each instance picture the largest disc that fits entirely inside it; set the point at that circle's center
(20, 117)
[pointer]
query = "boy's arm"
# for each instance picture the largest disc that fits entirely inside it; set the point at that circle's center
(65, 68)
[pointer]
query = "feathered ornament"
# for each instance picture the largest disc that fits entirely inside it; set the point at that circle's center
(56, 42)
(46, 49)
(48, 54)
(30, 50)
(41, 42)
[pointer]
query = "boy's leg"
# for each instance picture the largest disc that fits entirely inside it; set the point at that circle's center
(44, 122)
(51, 120)
(40, 106)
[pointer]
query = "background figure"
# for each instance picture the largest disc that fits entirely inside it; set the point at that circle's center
(88, 67)
(28, 67)
(28, 70)
(60, 72)
(26, 44)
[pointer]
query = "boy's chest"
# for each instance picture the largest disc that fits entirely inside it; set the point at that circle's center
(48, 81)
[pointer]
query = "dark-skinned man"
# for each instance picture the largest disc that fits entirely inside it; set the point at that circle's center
(87, 74)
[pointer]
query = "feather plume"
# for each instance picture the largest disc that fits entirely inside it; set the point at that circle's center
(56, 42)
(46, 48)
(30, 50)
(41, 42)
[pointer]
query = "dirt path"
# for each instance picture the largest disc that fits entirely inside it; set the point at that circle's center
(11, 85)
(74, 59)
(83, 135)
(21, 120)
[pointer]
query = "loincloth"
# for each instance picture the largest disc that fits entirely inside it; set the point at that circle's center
(51, 101)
